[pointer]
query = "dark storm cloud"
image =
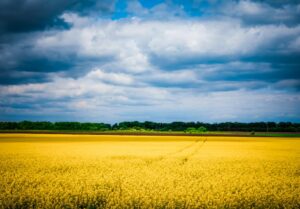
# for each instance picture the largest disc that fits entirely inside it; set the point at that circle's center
(25, 15)
(40, 68)
(278, 3)
(21, 63)
(32, 70)
(17, 77)
(262, 12)
(22, 22)
(268, 73)
(264, 69)
(261, 66)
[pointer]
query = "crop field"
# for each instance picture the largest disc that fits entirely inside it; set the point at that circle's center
(85, 171)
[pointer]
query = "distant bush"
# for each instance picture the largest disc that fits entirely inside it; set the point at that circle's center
(201, 129)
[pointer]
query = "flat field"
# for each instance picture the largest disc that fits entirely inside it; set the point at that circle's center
(94, 171)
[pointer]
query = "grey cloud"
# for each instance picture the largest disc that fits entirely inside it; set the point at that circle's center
(16, 77)
(25, 15)
(22, 22)
(262, 12)
(132, 47)
(278, 3)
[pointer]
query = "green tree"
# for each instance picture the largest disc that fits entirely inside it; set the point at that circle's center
(201, 129)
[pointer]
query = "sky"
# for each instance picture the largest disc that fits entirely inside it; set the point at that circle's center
(173, 60)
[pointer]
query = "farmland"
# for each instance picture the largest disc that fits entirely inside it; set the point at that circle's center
(103, 171)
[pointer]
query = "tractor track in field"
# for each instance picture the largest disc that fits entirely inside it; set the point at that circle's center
(183, 148)
(185, 159)
(197, 149)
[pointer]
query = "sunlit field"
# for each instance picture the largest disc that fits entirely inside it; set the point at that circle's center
(82, 171)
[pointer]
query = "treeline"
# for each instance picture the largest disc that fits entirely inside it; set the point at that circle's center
(227, 126)
(29, 125)
(153, 126)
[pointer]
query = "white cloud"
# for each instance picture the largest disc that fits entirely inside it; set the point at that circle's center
(110, 77)
(154, 70)
(135, 45)
(108, 88)
(93, 98)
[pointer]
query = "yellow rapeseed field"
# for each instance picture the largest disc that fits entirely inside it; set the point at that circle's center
(84, 171)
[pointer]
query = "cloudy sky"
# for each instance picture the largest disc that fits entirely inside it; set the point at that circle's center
(174, 60)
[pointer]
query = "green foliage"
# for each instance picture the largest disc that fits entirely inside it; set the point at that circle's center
(201, 129)
(189, 127)
(28, 125)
